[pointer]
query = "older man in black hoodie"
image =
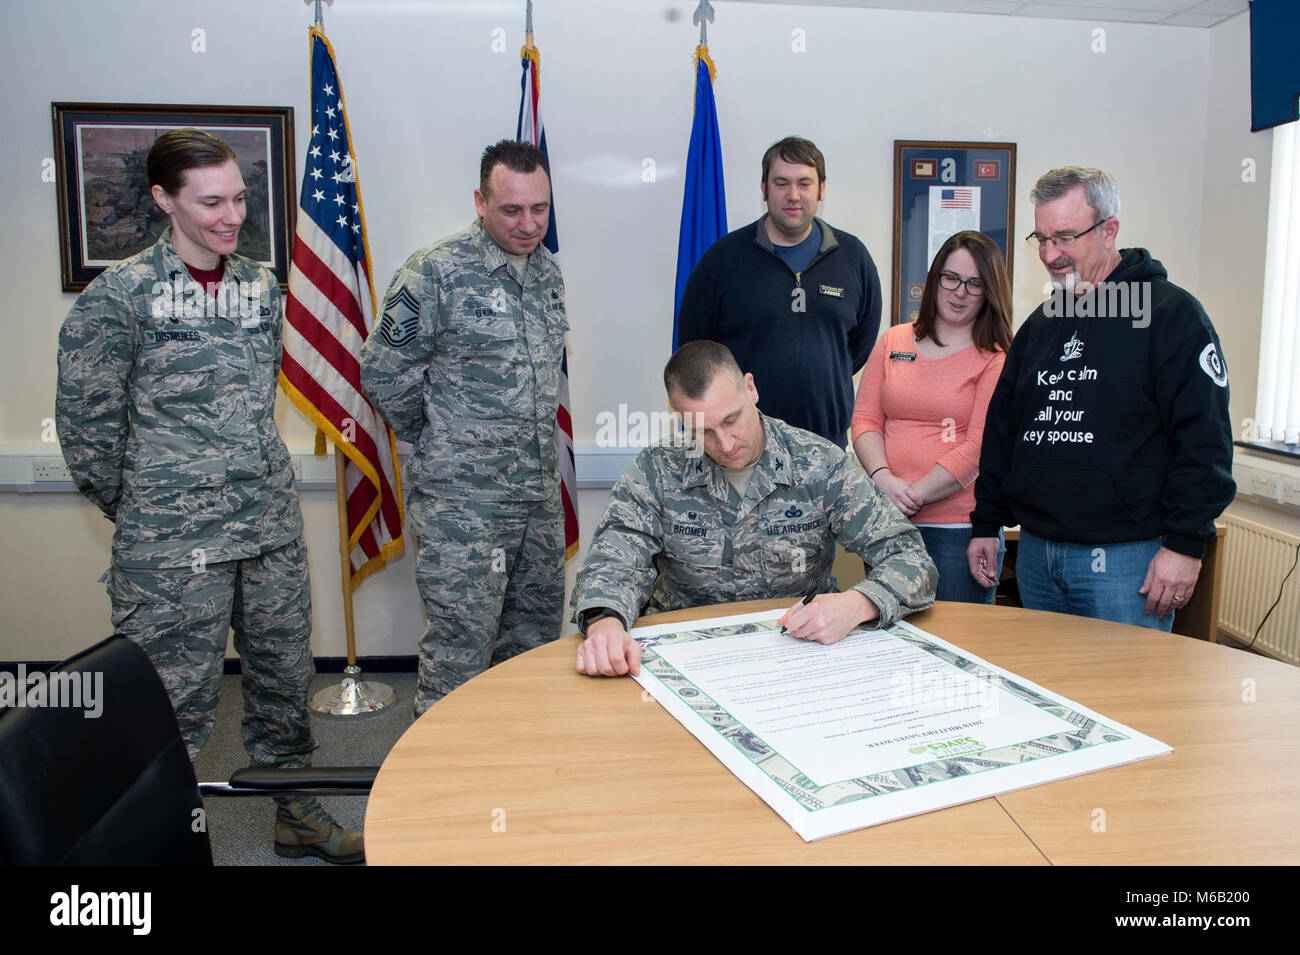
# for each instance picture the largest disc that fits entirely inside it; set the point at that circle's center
(1107, 438)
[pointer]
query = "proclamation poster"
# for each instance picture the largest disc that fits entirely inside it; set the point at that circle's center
(882, 725)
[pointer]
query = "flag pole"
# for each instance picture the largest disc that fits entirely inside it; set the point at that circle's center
(345, 558)
(319, 20)
(352, 696)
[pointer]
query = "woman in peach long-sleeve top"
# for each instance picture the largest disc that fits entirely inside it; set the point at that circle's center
(919, 417)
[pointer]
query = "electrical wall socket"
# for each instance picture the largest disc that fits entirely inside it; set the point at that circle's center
(50, 470)
(1258, 483)
(1291, 491)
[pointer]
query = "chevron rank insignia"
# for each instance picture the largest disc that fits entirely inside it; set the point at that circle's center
(401, 318)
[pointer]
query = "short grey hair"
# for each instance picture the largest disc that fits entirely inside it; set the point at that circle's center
(1099, 188)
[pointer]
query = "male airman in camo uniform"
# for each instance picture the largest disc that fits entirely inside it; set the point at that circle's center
(465, 365)
(165, 413)
(752, 517)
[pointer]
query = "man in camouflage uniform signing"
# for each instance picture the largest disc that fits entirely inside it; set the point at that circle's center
(165, 411)
(465, 364)
(756, 518)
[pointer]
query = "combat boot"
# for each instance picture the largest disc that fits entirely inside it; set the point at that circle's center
(303, 827)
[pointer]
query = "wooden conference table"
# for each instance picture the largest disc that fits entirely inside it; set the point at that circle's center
(532, 762)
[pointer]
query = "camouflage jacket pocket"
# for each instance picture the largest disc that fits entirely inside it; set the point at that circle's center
(557, 320)
(175, 374)
(693, 541)
(791, 555)
(484, 363)
(485, 432)
(485, 454)
(692, 565)
(176, 416)
(267, 351)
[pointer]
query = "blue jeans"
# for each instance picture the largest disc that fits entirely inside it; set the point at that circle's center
(947, 547)
(1088, 580)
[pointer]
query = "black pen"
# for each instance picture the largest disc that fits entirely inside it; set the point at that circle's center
(807, 599)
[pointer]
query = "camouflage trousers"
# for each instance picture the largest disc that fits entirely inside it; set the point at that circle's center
(181, 617)
(491, 575)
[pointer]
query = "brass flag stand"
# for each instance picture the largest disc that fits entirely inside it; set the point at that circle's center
(353, 696)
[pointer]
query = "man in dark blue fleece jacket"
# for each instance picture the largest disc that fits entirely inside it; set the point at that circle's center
(797, 303)
(1107, 438)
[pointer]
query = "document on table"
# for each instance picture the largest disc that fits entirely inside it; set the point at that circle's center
(882, 725)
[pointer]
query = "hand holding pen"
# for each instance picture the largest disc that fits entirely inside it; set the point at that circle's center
(807, 599)
(830, 618)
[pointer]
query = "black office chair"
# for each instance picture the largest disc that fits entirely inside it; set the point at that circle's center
(119, 789)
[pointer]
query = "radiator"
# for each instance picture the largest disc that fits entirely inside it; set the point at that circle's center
(1254, 559)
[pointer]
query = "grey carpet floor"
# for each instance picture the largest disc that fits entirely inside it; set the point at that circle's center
(241, 829)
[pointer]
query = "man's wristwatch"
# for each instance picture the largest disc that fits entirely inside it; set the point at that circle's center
(592, 614)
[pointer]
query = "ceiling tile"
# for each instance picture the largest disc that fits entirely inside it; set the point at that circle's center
(1227, 7)
(1194, 19)
(1076, 11)
(1187, 13)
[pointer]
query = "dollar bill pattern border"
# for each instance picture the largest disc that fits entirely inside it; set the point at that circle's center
(813, 797)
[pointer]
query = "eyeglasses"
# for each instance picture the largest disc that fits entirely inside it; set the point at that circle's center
(952, 281)
(1062, 240)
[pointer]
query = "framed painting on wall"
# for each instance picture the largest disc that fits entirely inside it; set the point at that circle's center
(106, 212)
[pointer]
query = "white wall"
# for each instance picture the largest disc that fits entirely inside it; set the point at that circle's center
(425, 92)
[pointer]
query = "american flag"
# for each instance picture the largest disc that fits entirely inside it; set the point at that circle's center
(330, 311)
(955, 199)
(529, 129)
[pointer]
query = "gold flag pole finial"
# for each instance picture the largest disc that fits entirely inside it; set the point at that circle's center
(529, 50)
